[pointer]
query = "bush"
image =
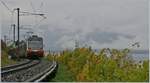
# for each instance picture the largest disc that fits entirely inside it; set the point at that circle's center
(88, 66)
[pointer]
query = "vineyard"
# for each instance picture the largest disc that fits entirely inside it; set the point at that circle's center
(88, 66)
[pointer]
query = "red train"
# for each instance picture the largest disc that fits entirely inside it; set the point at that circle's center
(35, 47)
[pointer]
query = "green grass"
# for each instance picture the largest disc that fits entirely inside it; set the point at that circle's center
(63, 75)
(5, 60)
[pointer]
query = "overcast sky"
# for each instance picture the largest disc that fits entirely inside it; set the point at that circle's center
(98, 23)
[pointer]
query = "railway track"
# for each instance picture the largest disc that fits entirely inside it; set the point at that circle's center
(12, 67)
(34, 70)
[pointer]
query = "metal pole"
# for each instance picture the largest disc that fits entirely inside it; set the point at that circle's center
(5, 38)
(14, 32)
(18, 31)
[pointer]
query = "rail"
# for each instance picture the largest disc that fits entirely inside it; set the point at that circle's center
(15, 65)
(41, 76)
(19, 67)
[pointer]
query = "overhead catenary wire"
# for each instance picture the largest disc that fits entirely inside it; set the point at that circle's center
(29, 13)
(33, 8)
(11, 11)
(35, 11)
(23, 12)
(38, 23)
(11, 18)
(41, 5)
(6, 6)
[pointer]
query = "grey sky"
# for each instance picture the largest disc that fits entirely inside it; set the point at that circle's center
(99, 23)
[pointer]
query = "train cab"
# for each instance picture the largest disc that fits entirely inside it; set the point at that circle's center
(35, 46)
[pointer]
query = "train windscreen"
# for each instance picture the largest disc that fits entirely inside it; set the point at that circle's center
(34, 45)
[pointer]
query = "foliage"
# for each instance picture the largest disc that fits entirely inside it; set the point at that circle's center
(86, 65)
(63, 74)
(5, 60)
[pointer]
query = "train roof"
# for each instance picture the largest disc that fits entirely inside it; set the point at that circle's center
(35, 37)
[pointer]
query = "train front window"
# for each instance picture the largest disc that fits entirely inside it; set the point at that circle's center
(34, 45)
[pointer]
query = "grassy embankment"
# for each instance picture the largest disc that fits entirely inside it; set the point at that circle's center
(83, 65)
(63, 74)
(5, 60)
(4, 56)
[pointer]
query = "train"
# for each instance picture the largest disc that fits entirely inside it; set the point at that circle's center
(32, 47)
(35, 47)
